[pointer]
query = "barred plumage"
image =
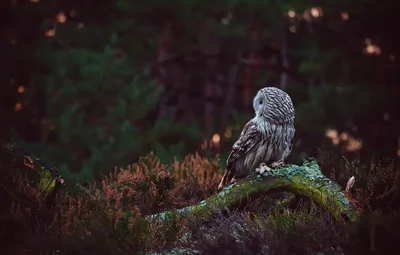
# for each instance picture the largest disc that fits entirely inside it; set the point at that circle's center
(267, 138)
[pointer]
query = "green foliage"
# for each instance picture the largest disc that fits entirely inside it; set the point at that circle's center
(105, 111)
(100, 111)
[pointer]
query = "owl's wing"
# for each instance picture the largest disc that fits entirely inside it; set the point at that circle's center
(289, 141)
(249, 137)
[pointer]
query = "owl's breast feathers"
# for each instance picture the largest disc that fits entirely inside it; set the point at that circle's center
(249, 137)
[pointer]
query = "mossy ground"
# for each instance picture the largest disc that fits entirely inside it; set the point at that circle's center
(95, 222)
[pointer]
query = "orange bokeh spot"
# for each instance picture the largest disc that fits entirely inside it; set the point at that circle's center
(61, 18)
(21, 89)
(50, 32)
(18, 106)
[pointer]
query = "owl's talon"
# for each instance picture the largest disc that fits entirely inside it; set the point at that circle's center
(220, 187)
(233, 180)
(277, 164)
(263, 168)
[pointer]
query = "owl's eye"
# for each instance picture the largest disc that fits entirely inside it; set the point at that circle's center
(260, 101)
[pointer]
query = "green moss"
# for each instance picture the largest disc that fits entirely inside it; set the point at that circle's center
(306, 180)
(47, 182)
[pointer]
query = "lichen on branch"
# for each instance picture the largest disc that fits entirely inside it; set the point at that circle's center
(306, 180)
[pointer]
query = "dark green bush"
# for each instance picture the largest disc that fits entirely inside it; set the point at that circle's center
(100, 113)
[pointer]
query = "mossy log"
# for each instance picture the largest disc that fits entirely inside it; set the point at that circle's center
(306, 180)
(45, 179)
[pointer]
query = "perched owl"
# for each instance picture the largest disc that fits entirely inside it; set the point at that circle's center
(266, 140)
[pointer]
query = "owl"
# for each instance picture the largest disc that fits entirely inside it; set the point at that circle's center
(266, 140)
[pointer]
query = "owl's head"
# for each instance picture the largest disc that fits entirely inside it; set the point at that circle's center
(273, 104)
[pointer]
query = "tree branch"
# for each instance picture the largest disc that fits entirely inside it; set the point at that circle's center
(306, 180)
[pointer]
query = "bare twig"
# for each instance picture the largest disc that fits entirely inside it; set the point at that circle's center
(350, 184)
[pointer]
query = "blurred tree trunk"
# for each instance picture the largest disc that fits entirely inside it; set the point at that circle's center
(284, 56)
(164, 54)
(229, 95)
(252, 69)
(171, 73)
(209, 47)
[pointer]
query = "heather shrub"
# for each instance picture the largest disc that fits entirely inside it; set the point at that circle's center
(108, 217)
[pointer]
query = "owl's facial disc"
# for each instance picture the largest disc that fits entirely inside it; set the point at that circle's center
(258, 103)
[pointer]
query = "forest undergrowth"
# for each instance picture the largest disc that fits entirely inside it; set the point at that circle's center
(108, 217)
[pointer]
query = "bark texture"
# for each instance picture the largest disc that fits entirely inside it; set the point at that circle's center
(306, 180)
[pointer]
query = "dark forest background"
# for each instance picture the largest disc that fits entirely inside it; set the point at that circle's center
(89, 85)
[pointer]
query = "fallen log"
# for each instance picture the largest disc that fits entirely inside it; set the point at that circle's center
(306, 180)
